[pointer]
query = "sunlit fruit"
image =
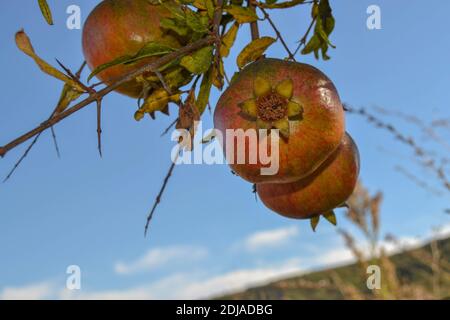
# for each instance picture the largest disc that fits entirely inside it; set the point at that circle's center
(327, 188)
(116, 28)
(295, 98)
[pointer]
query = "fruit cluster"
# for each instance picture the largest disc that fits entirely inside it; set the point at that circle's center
(318, 160)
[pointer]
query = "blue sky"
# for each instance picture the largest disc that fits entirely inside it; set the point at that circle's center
(209, 235)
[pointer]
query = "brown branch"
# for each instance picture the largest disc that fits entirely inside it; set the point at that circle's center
(278, 33)
(25, 154)
(253, 25)
(93, 97)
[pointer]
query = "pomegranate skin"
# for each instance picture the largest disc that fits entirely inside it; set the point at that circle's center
(327, 188)
(312, 139)
(117, 28)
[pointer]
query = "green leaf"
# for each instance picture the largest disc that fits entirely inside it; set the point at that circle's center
(199, 62)
(254, 50)
(324, 26)
(175, 9)
(46, 12)
(204, 92)
(228, 40)
(194, 21)
(242, 14)
(174, 25)
(149, 50)
(115, 62)
(313, 44)
(209, 4)
(282, 5)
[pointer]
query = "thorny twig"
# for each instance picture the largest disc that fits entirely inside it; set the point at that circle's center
(36, 138)
(160, 194)
(428, 161)
(95, 95)
(99, 127)
(215, 38)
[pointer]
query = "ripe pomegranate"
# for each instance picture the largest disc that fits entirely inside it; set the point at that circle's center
(295, 98)
(324, 190)
(116, 28)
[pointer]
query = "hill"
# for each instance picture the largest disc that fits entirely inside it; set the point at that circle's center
(413, 273)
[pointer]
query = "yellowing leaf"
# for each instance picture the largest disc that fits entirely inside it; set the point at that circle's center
(242, 14)
(254, 50)
(46, 12)
(199, 62)
(68, 95)
(218, 74)
(24, 44)
(228, 40)
(157, 101)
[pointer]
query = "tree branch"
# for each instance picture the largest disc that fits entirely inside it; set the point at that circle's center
(278, 33)
(96, 95)
(253, 25)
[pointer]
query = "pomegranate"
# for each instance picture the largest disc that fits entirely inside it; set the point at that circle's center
(325, 189)
(117, 28)
(295, 98)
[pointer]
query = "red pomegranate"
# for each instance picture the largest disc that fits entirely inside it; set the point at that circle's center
(116, 28)
(327, 188)
(295, 98)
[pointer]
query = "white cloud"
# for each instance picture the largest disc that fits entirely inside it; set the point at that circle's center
(270, 238)
(195, 285)
(158, 257)
(239, 280)
(36, 291)
(333, 257)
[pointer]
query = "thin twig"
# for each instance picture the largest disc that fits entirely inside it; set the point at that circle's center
(159, 196)
(171, 125)
(55, 142)
(427, 160)
(278, 33)
(163, 82)
(302, 41)
(99, 127)
(93, 97)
